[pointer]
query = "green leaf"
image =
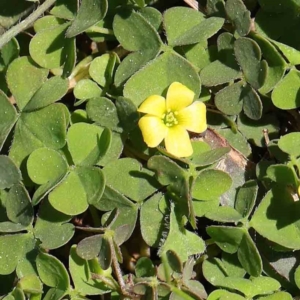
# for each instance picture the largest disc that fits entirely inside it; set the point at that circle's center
(152, 220)
(47, 47)
(249, 257)
(209, 157)
(227, 238)
(65, 9)
(232, 265)
(42, 128)
(52, 227)
(290, 143)
(239, 15)
(9, 173)
(248, 55)
(17, 76)
(90, 12)
(211, 184)
(145, 268)
(90, 247)
(191, 23)
(80, 271)
(10, 51)
(102, 68)
(225, 69)
(152, 15)
(137, 183)
(283, 174)
(214, 271)
(46, 22)
(8, 116)
(18, 205)
(281, 98)
(103, 112)
(252, 104)
(178, 237)
(276, 63)
(86, 89)
(12, 251)
(127, 113)
(81, 187)
(224, 214)
(236, 140)
(297, 277)
(177, 179)
(277, 296)
(46, 165)
(216, 8)
(224, 295)
(52, 272)
(253, 130)
(269, 221)
(134, 32)
(189, 18)
(87, 143)
(245, 198)
(290, 53)
(230, 99)
(31, 284)
(158, 80)
(132, 63)
(51, 91)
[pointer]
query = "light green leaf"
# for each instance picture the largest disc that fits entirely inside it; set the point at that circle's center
(87, 143)
(47, 47)
(178, 237)
(211, 184)
(285, 94)
(159, 74)
(51, 91)
(17, 76)
(269, 221)
(137, 183)
(82, 186)
(290, 143)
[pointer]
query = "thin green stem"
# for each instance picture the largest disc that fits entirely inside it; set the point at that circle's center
(101, 30)
(9, 34)
(181, 293)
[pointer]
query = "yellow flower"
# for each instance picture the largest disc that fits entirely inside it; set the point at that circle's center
(169, 119)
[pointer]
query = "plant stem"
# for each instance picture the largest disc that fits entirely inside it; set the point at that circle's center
(101, 30)
(15, 30)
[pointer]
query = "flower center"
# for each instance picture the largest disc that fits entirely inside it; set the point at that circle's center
(169, 118)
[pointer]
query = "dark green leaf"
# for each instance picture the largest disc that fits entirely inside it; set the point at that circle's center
(248, 55)
(9, 173)
(239, 15)
(90, 12)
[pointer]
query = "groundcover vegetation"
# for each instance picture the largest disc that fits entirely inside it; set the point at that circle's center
(149, 149)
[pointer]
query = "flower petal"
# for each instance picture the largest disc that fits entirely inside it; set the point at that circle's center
(178, 142)
(153, 130)
(154, 105)
(193, 117)
(179, 96)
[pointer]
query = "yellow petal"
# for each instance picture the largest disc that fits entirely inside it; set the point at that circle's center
(179, 96)
(153, 105)
(178, 142)
(193, 117)
(153, 130)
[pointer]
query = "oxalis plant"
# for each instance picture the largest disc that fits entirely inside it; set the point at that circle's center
(149, 149)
